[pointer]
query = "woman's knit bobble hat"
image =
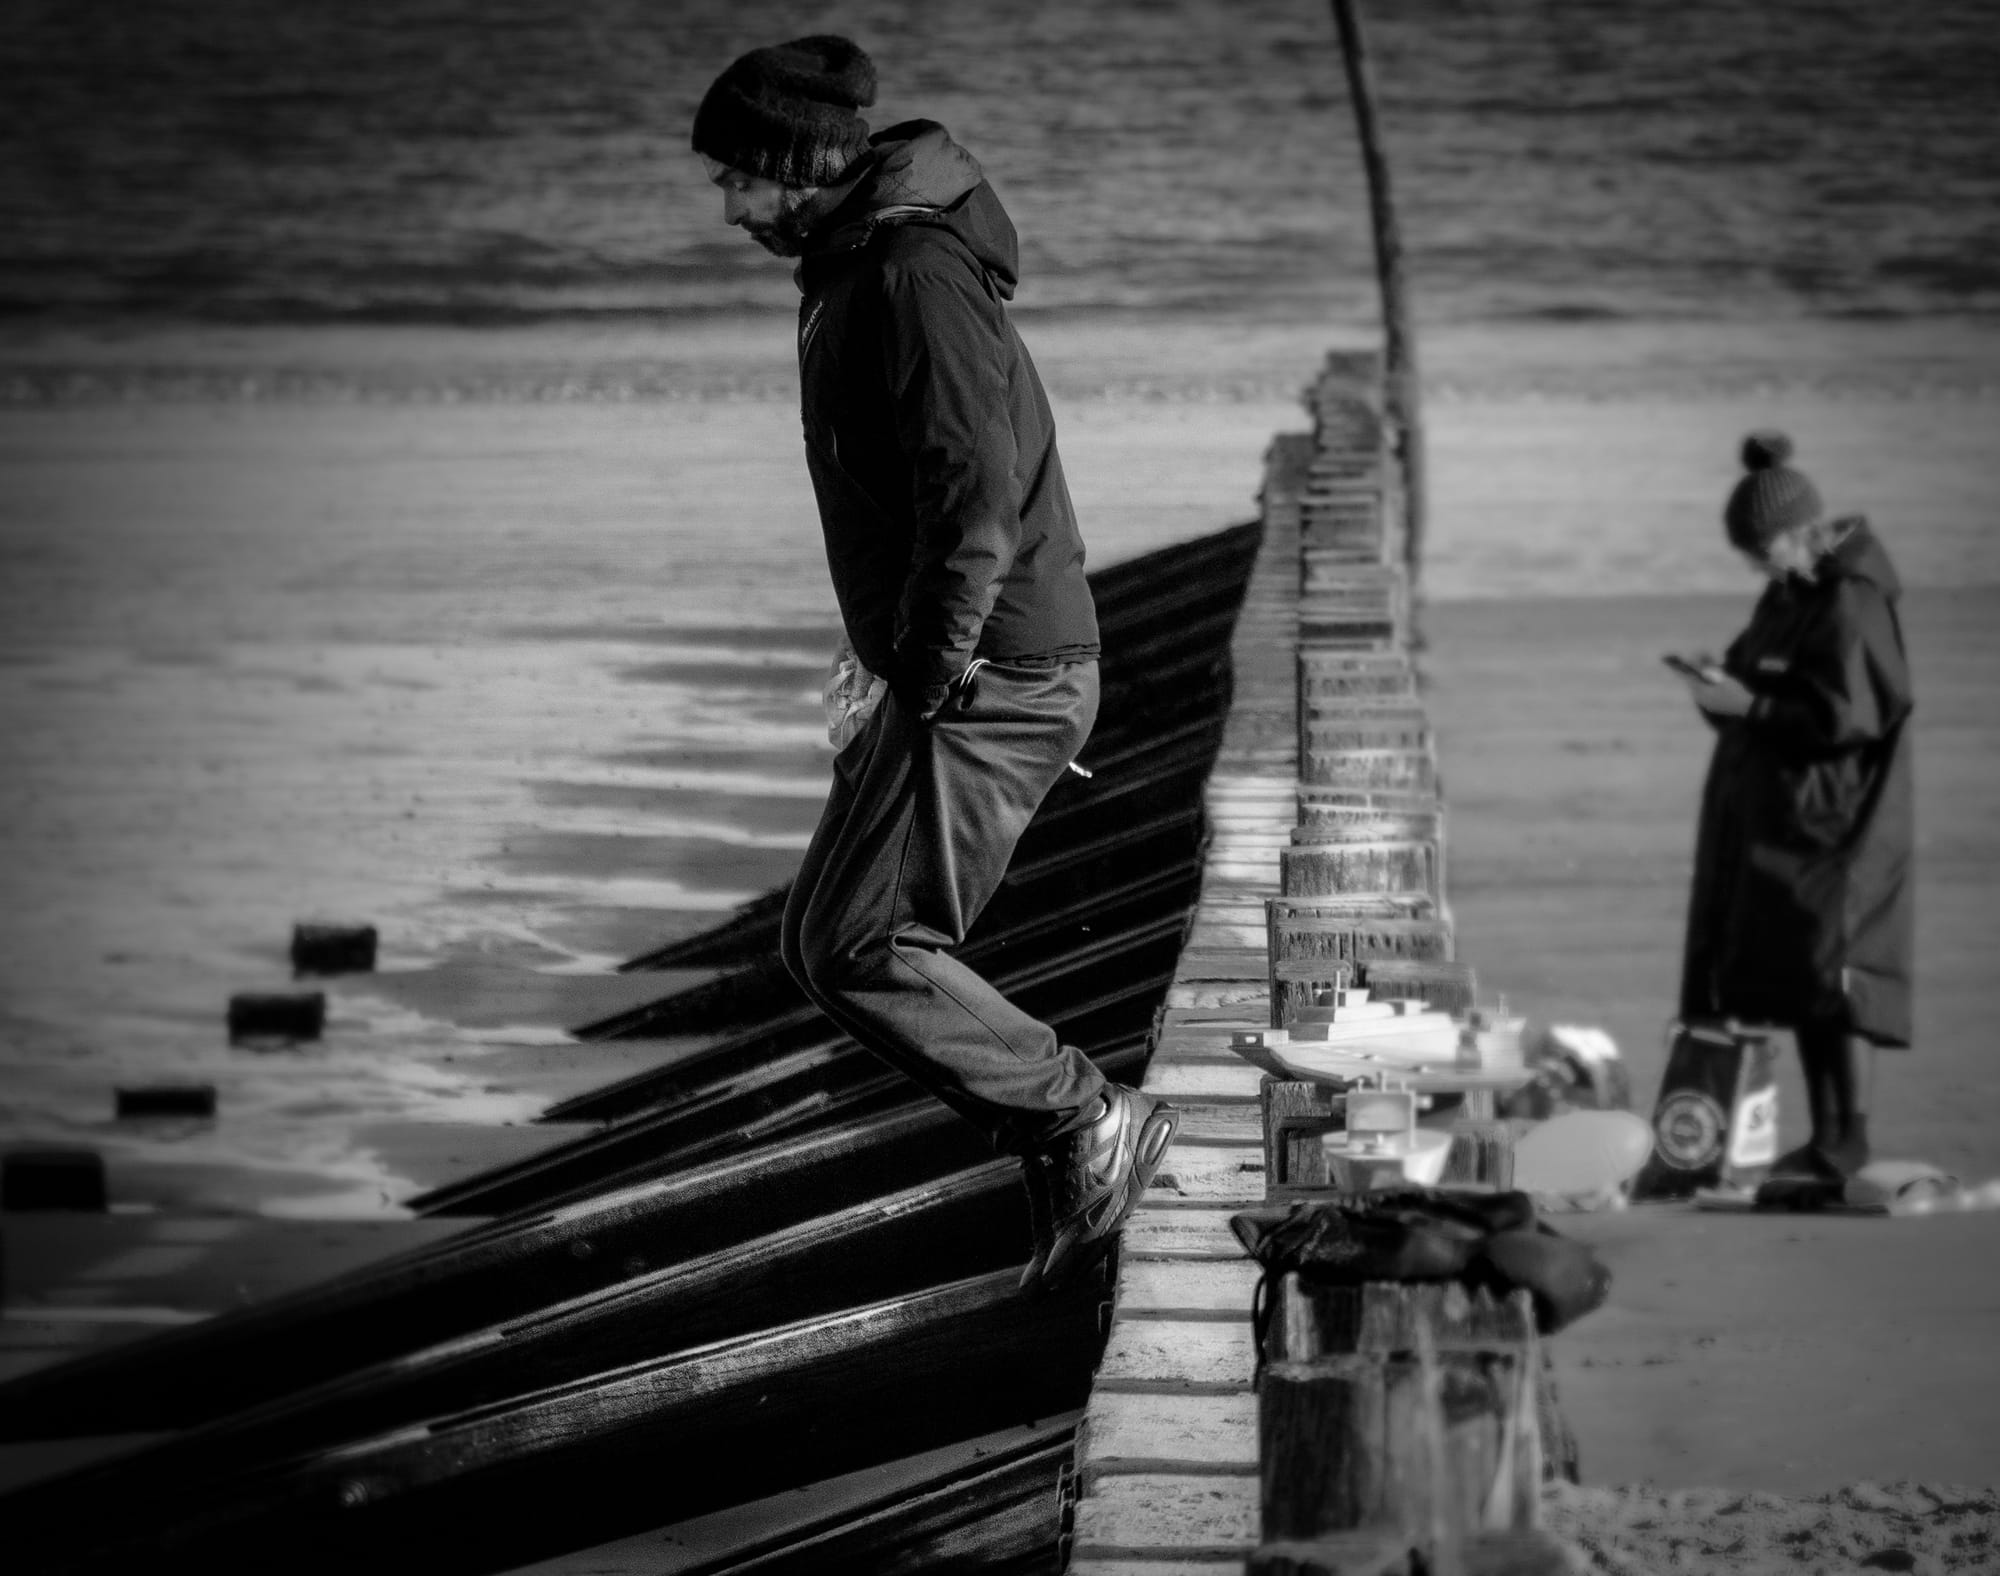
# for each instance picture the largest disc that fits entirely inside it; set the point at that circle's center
(1771, 498)
(788, 112)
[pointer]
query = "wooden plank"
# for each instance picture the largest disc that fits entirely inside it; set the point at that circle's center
(1225, 933)
(1236, 787)
(964, 1506)
(1261, 873)
(1251, 840)
(1221, 963)
(1191, 1050)
(1213, 1173)
(1251, 824)
(1236, 1124)
(1366, 824)
(1373, 613)
(1203, 1081)
(1242, 999)
(1156, 1286)
(1218, 907)
(1191, 1234)
(1159, 1514)
(1126, 1433)
(1335, 572)
(1192, 1027)
(1340, 907)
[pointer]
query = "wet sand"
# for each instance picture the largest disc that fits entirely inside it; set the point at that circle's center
(433, 696)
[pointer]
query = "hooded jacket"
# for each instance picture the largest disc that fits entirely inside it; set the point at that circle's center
(1803, 903)
(949, 529)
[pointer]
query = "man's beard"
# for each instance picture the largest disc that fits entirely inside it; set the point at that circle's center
(799, 214)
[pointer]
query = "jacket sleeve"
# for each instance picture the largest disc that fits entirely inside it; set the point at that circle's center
(1848, 684)
(946, 354)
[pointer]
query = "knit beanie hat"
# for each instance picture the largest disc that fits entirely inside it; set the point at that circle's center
(787, 112)
(1772, 498)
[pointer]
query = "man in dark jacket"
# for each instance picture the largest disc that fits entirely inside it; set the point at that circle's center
(1802, 908)
(958, 568)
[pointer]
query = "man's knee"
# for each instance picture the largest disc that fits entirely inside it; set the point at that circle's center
(789, 952)
(800, 946)
(814, 953)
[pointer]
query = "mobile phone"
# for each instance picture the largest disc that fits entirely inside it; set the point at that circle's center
(1680, 664)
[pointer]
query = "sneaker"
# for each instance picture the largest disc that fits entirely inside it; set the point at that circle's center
(1082, 1187)
(1824, 1162)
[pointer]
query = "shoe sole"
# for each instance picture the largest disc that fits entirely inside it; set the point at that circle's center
(1800, 1195)
(1075, 1253)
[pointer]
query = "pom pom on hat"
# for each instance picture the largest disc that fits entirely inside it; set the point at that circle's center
(1762, 450)
(787, 112)
(1772, 498)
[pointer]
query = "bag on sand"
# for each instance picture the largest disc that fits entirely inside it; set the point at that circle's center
(1716, 1121)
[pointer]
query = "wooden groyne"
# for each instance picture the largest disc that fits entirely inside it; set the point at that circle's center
(1324, 867)
(766, 1265)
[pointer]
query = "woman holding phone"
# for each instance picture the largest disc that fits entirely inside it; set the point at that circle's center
(1802, 906)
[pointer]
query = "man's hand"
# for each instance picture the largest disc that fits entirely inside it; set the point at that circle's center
(928, 702)
(923, 701)
(921, 686)
(1721, 695)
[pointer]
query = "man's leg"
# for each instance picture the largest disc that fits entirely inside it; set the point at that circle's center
(848, 769)
(915, 839)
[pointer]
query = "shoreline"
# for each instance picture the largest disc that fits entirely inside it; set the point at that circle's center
(1083, 355)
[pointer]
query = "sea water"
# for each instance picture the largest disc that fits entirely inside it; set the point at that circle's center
(493, 159)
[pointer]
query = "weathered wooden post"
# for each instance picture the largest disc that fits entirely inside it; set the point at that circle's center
(1298, 1114)
(333, 949)
(1447, 986)
(1316, 944)
(1320, 869)
(1367, 728)
(1400, 361)
(165, 1099)
(64, 1177)
(277, 1018)
(1398, 1429)
(1405, 771)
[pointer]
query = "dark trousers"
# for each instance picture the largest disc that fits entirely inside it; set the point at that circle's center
(916, 834)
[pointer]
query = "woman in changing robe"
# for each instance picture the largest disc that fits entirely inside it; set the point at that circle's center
(1802, 907)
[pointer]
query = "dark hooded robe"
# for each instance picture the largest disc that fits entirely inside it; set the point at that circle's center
(1802, 906)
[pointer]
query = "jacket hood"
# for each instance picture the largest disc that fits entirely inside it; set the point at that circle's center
(1860, 556)
(920, 176)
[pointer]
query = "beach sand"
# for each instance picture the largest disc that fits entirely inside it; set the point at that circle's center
(398, 657)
